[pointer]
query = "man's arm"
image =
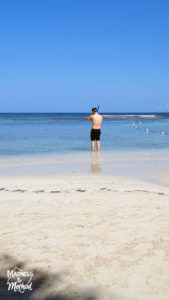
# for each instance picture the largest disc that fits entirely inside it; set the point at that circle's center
(89, 118)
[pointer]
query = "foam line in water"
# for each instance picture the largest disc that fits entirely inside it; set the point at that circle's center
(130, 116)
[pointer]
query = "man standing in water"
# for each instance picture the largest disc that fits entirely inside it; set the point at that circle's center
(95, 131)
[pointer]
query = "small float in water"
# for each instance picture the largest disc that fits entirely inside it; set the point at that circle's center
(163, 132)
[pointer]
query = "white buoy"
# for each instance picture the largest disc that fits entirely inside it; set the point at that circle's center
(162, 132)
(147, 130)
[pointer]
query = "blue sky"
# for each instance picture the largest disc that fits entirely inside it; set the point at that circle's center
(68, 56)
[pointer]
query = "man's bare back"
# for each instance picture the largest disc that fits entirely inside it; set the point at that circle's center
(96, 121)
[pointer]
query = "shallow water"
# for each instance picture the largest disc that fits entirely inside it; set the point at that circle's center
(68, 133)
(144, 165)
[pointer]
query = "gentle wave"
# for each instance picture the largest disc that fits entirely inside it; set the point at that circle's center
(131, 116)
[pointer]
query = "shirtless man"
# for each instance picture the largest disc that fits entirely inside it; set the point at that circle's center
(95, 131)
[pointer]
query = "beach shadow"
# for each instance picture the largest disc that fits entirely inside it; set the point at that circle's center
(43, 287)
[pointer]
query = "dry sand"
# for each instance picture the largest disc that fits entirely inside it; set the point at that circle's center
(90, 236)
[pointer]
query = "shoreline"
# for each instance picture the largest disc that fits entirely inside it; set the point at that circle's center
(141, 165)
(92, 226)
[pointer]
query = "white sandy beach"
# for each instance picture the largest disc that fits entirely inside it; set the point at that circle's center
(105, 236)
(84, 150)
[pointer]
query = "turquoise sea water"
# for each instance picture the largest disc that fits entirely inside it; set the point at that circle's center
(67, 132)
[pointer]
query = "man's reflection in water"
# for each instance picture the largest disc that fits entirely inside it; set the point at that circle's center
(95, 163)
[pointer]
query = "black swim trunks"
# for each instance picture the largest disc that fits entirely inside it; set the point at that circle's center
(95, 134)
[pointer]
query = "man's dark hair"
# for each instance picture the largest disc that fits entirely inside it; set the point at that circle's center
(94, 109)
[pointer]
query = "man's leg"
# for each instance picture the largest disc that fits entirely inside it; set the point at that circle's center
(98, 146)
(92, 145)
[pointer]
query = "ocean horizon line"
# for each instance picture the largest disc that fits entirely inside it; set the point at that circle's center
(103, 112)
